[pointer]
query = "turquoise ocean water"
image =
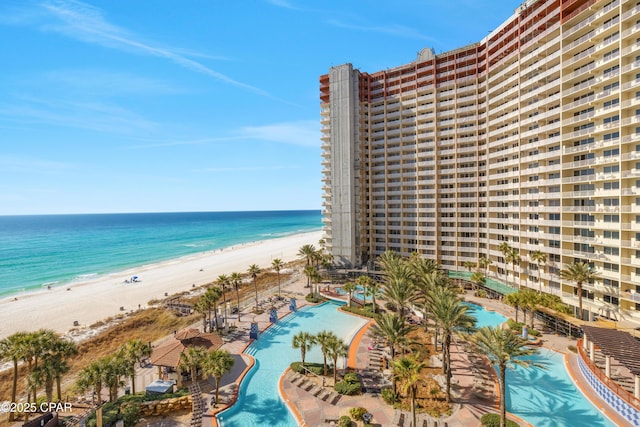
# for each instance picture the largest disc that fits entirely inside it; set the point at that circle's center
(41, 250)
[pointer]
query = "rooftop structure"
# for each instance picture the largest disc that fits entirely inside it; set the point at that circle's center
(168, 354)
(530, 137)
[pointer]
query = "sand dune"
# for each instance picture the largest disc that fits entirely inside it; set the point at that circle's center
(100, 298)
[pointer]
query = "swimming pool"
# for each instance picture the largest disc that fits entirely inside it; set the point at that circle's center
(258, 401)
(544, 398)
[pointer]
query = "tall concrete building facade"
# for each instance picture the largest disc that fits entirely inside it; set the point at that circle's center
(530, 136)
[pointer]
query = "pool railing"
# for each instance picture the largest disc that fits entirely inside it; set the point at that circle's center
(622, 393)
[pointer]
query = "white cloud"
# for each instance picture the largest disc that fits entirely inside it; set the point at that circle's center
(87, 23)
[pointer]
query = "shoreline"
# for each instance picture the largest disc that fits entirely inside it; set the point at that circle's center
(83, 279)
(97, 299)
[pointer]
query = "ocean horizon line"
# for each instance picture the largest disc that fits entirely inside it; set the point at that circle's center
(161, 212)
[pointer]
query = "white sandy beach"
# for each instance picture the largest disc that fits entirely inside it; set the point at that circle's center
(101, 298)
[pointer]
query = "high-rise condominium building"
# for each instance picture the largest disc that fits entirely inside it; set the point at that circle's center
(529, 137)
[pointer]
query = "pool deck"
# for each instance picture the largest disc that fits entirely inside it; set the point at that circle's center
(469, 404)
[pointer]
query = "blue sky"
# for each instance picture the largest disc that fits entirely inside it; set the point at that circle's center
(158, 106)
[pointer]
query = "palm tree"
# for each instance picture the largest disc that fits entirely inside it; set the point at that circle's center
(426, 282)
(236, 280)
(513, 258)
(484, 263)
(62, 350)
(530, 301)
(311, 272)
(515, 300)
(323, 339)
(217, 363)
(392, 329)
(277, 265)
(365, 282)
(191, 360)
(539, 258)
(304, 341)
(316, 258)
(211, 298)
(336, 348)
(202, 308)
(36, 346)
(407, 370)
(253, 271)
(505, 249)
(450, 315)
(388, 261)
(12, 349)
(373, 291)
(350, 288)
(135, 351)
(308, 252)
(477, 278)
(36, 379)
(315, 279)
(399, 287)
(223, 282)
(116, 368)
(92, 376)
(504, 349)
(579, 272)
(469, 265)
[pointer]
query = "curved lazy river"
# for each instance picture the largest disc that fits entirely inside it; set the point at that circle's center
(259, 403)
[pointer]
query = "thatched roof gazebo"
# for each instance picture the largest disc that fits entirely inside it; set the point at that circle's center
(167, 355)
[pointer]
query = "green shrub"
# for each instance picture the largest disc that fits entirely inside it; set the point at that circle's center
(143, 397)
(109, 415)
(480, 293)
(389, 396)
(347, 388)
(315, 299)
(365, 312)
(351, 378)
(316, 368)
(517, 327)
(130, 413)
(493, 420)
(572, 348)
(344, 421)
(357, 413)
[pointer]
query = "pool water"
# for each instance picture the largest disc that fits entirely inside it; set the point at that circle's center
(259, 403)
(357, 294)
(485, 317)
(544, 397)
(548, 397)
